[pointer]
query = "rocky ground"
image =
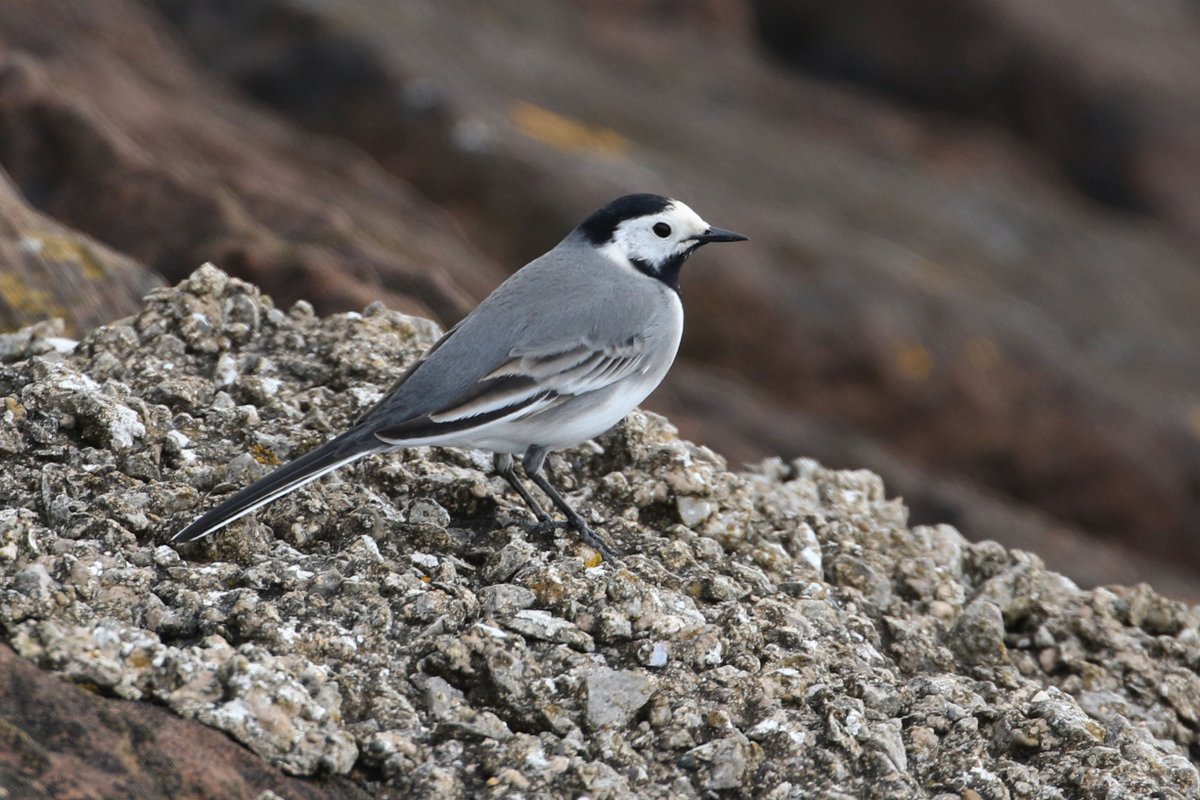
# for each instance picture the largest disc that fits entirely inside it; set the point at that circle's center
(776, 632)
(973, 221)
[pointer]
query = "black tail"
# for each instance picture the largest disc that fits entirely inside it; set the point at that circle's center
(350, 446)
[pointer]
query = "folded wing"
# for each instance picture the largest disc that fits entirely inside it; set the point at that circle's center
(522, 386)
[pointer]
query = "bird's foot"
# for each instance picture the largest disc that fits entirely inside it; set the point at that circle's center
(542, 527)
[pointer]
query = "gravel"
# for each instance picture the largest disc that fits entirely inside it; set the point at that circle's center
(775, 632)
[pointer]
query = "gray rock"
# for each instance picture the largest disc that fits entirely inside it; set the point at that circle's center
(614, 697)
(693, 510)
(978, 636)
(543, 625)
(722, 763)
(505, 599)
(448, 706)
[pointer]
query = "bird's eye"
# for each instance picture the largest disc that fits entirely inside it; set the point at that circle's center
(662, 230)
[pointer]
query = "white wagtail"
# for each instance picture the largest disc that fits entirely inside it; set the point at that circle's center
(558, 353)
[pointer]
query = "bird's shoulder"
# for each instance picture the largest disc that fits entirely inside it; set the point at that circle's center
(574, 295)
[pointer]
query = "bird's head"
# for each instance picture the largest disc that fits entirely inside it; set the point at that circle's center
(652, 233)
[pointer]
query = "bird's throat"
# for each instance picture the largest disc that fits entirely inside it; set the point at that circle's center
(666, 271)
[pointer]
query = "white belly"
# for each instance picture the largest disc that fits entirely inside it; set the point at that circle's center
(577, 420)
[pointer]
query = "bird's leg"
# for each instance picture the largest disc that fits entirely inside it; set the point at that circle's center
(503, 464)
(535, 458)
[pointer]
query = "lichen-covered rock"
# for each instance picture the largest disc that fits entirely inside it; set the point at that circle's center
(777, 632)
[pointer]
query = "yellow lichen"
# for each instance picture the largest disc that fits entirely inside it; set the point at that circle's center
(25, 299)
(566, 134)
(914, 361)
(264, 455)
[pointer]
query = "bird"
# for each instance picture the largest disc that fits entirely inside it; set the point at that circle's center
(557, 354)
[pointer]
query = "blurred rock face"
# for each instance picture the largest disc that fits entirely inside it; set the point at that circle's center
(983, 61)
(972, 267)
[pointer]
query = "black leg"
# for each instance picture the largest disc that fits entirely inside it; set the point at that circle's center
(503, 464)
(535, 457)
